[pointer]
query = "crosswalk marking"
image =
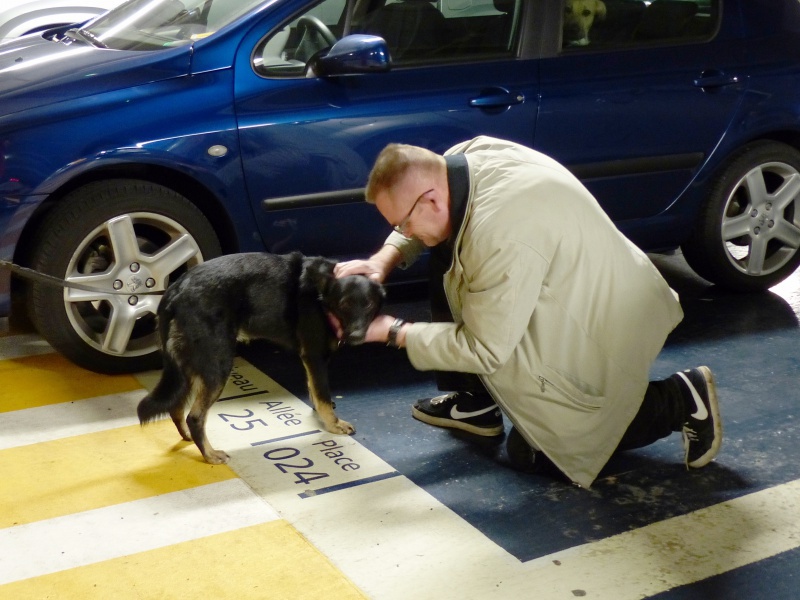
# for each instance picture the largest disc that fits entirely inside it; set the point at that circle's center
(677, 551)
(266, 561)
(56, 421)
(45, 379)
(98, 469)
(82, 538)
(94, 506)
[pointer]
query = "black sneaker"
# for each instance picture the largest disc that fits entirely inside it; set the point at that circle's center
(702, 431)
(476, 414)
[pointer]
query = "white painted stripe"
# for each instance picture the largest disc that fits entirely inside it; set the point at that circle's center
(396, 542)
(84, 538)
(17, 346)
(677, 551)
(56, 421)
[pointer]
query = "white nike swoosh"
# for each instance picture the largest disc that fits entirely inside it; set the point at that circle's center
(701, 413)
(457, 414)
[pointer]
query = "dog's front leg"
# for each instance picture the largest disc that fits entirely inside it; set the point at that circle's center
(319, 390)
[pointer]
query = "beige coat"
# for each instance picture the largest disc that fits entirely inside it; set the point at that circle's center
(559, 314)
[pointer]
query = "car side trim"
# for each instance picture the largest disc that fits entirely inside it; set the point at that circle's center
(599, 170)
(637, 166)
(318, 199)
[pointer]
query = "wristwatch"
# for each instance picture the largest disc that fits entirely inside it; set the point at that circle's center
(394, 329)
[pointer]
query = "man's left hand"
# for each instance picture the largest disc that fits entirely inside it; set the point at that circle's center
(335, 324)
(379, 329)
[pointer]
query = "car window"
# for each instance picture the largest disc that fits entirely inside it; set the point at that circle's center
(448, 30)
(592, 24)
(416, 32)
(286, 52)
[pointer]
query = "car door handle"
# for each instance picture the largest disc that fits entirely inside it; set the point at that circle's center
(495, 97)
(715, 79)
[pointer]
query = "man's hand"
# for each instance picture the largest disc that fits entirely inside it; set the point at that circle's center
(377, 267)
(335, 324)
(378, 330)
(371, 268)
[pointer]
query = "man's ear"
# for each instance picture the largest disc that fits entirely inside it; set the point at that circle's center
(440, 200)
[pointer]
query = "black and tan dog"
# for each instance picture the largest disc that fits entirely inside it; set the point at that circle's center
(285, 299)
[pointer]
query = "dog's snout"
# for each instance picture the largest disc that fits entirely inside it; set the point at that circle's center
(355, 337)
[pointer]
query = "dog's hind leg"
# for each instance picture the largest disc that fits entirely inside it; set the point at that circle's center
(170, 395)
(319, 390)
(173, 392)
(205, 394)
(178, 415)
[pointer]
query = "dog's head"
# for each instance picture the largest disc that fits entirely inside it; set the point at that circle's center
(355, 301)
(579, 15)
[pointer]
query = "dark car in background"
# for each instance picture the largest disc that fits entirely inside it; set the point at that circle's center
(166, 132)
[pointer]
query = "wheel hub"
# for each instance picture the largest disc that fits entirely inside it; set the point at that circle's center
(135, 279)
(761, 219)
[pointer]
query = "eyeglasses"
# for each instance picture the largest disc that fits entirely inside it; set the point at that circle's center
(403, 225)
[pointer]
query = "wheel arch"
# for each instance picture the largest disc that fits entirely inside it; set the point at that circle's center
(718, 163)
(724, 156)
(697, 248)
(198, 194)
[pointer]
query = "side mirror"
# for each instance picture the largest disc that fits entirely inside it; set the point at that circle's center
(357, 53)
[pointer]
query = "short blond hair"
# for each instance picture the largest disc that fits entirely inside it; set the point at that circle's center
(392, 164)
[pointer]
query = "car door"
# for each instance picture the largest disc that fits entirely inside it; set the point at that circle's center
(309, 142)
(636, 110)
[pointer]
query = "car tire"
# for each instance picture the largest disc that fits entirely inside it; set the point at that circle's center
(128, 239)
(747, 237)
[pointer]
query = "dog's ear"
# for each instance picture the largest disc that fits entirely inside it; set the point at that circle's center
(317, 274)
(600, 10)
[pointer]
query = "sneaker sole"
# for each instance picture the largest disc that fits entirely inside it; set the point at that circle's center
(713, 406)
(454, 424)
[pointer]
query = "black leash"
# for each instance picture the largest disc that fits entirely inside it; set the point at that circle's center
(27, 273)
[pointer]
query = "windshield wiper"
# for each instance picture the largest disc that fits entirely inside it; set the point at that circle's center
(85, 36)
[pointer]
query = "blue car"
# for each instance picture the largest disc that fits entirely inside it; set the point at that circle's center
(167, 132)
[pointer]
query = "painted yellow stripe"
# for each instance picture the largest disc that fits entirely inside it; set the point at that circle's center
(69, 475)
(50, 379)
(267, 561)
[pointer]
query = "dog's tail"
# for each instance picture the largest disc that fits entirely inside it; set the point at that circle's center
(173, 387)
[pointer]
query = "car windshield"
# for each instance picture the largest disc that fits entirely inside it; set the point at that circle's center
(156, 24)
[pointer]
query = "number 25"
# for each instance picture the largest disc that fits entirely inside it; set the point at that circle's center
(250, 423)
